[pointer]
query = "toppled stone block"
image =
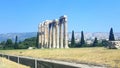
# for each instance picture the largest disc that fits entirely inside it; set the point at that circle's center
(113, 44)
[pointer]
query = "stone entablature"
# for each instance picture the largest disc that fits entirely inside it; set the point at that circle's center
(53, 33)
(113, 44)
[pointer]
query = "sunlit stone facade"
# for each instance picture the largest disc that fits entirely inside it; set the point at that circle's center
(53, 33)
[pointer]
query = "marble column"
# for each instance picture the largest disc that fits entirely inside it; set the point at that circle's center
(65, 32)
(47, 32)
(50, 34)
(53, 34)
(60, 34)
(56, 33)
(44, 35)
(39, 35)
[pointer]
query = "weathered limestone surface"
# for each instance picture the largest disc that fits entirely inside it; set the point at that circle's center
(53, 33)
(39, 39)
(56, 33)
(113, 44)
(46, 34)
(42, 35)
(65, 32)
(60, 36)
(50, 36)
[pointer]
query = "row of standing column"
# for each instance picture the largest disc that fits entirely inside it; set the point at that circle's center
(53, 34)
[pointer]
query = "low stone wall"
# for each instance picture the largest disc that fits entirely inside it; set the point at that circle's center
(13, 58)
(42, 63)
(27, 61)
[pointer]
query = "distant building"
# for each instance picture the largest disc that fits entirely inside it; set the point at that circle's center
(89, 41)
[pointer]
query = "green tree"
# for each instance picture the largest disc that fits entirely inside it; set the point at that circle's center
(3, 44)
(95, 43)
(105, 43)
(37, 39)
(16, 43)
(72, 40)
(9, 44)
(111, 35)
(82, 42)
(29, 42)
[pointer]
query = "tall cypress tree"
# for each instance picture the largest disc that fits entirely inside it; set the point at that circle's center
(111, 35)
(82, 39)
(16, 43)
(95, 43)
(73, 40)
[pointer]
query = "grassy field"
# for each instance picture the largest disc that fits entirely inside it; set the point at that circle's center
(98, 56)
(4, 63)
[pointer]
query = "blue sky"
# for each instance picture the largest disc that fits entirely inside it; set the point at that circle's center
(86, 15)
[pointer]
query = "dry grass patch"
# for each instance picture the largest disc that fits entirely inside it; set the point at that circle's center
(4, 63)
(100, 56)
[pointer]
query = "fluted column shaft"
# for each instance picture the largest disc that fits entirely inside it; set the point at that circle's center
(60, 36)
(65, 34)
(53, 35)
(47, 35)
(44, 36)
(39, 35)
(56, 35)
(50, 36)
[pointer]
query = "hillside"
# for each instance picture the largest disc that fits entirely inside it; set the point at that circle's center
(21, 36)
(88, 35)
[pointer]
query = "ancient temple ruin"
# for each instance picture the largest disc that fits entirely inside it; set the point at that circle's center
(53, 33)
